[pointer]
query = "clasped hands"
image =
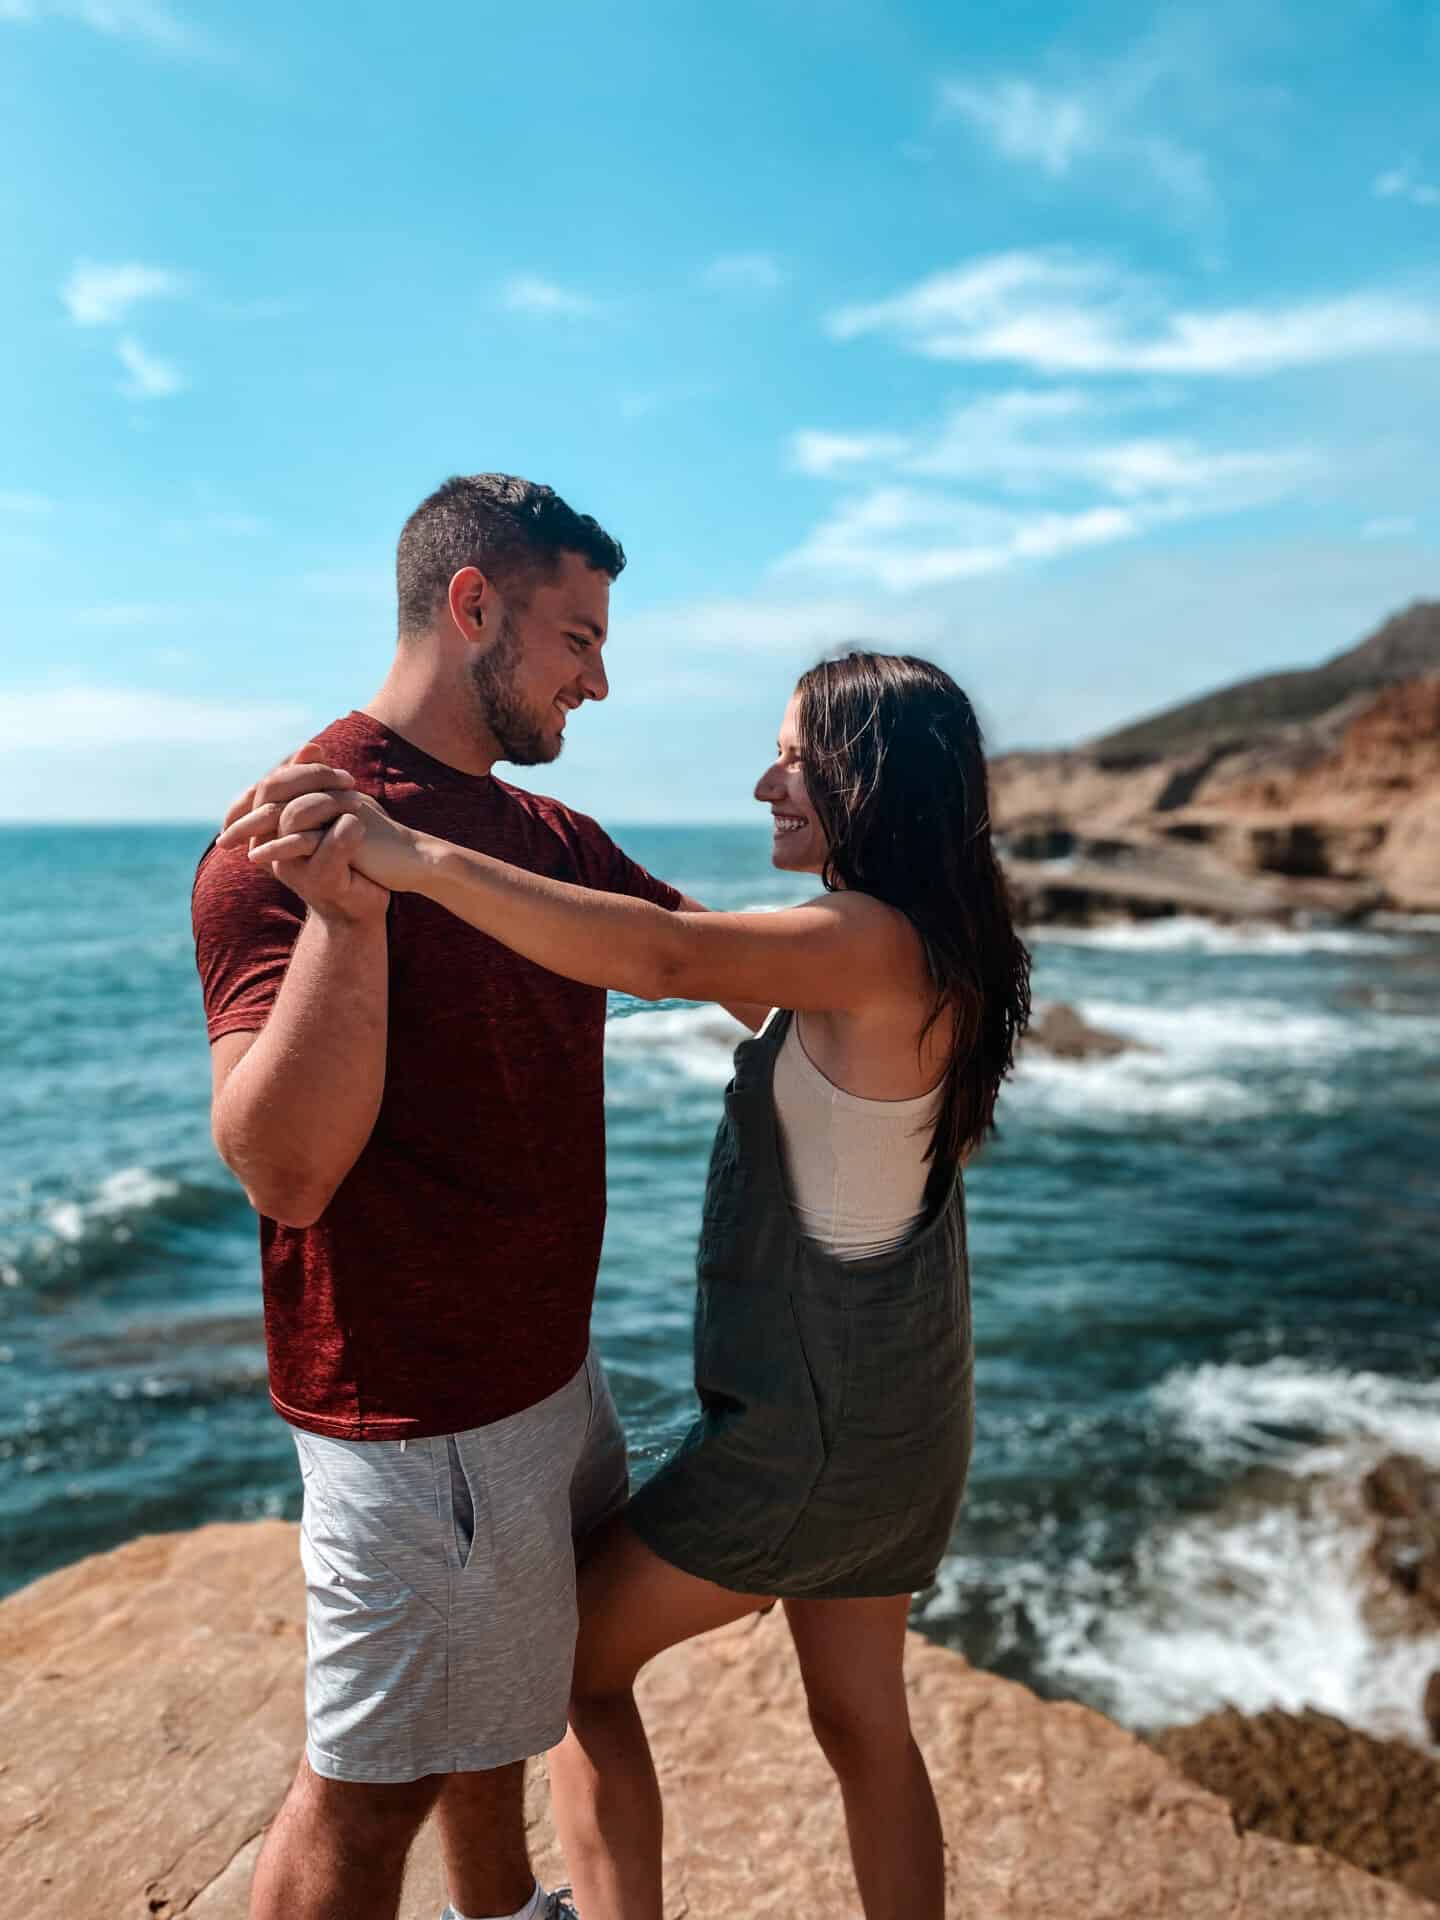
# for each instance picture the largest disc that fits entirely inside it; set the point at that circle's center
(336, 848)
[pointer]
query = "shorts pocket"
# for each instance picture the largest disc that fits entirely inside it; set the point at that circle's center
(462, 1504)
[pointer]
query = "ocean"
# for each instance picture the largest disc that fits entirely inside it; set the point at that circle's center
(1206, 1279)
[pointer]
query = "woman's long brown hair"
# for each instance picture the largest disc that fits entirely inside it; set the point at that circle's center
(895, 767)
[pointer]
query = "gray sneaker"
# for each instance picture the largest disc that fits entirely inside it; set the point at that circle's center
(559, 1905)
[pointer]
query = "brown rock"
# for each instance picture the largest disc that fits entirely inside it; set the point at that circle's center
(152, 1720)
(1310, 1779)
(1316, 791)
(1430, 1705)
(1060, 1030)
(1405, 1494)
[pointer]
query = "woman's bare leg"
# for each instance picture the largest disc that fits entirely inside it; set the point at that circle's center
(851, 1655)
(607, 1800)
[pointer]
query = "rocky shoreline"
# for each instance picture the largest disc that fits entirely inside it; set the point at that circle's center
(1307, 1777)
(1312, 794)
(153, 1717)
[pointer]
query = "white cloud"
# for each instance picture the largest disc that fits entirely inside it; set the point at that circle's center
(151, 378)
(1063, 313)
(1028, 441)
(1026, 122)
(743, 273)
(902, 539)
(102, 296)
(1053, 476)
(529, 293)
(1032, 442)
(29, 506)
(118, 754)
(1102, 113)
(146, 21)
(1401, 184)
(1389, 527)
(81, 719)
(815, 452)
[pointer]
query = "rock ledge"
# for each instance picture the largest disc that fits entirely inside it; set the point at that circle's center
(152, 1719)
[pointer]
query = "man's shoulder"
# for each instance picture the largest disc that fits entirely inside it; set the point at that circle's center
(356, 743)
(230, 887)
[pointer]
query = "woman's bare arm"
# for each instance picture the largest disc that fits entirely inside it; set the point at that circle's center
(838, 953)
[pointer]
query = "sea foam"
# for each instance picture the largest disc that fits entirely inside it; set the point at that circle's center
(1261, 1602)
(1191, 933)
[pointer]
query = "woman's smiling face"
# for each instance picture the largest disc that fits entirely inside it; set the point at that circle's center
(799, 845)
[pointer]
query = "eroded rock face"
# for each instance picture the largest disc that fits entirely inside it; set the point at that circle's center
(1430, 1706)
(1404, 1494)
(1336, 812)
(1310, 1779)
(152, 1721)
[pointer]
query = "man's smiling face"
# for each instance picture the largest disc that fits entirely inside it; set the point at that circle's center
(545, 659)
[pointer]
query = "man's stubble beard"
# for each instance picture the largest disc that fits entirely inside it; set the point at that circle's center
(521, 737)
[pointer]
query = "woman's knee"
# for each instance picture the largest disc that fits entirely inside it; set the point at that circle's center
(857, 1731)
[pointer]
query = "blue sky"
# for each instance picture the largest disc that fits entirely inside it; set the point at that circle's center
(1094, 350)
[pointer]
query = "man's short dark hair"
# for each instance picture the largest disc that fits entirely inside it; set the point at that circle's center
(511, 529)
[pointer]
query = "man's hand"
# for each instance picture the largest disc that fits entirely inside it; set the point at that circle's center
(325, 879)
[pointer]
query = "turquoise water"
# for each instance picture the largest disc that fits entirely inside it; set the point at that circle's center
(1206, 1280)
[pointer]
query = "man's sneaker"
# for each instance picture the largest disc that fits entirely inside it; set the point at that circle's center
(559, 1905)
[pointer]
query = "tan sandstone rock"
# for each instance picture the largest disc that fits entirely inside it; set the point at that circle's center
(152, 1718)
(1315, 792)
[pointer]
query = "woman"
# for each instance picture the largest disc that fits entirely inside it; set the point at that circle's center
(833, 1343)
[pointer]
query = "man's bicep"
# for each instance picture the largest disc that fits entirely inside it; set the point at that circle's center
(245, 925)
(226, 1053)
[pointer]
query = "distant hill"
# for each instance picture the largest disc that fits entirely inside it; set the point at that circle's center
(1405, 647)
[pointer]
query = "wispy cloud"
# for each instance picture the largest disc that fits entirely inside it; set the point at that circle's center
(1028, 441)
(903, 539)
(743, 273)
(1063, 313)
(102, 296)
(1026, 122)
(150, 377)
(1018, 477)
(1398, 526)
(532, 294)
(145, 21)
(83, 718)
(27, 506)
(1099, 112)
(1400, 183)
(812, 451)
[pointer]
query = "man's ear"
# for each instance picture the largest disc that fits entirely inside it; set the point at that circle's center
(471, 600)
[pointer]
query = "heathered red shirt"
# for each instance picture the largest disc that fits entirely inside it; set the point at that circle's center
(449, 1282)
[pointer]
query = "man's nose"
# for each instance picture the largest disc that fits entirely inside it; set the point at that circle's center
(595, 681)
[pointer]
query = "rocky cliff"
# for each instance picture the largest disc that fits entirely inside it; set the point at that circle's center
(1317, 791)
(152, 1718)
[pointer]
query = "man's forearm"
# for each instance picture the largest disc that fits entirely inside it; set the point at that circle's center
(297, 1110)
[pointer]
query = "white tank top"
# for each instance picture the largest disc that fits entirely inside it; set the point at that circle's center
(855, 1170)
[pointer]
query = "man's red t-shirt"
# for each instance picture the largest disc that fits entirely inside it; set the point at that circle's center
(449, 1282)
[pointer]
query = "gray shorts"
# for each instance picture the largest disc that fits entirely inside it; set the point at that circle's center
(440, 1585)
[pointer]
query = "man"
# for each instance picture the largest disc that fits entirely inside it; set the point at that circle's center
(416, 1115)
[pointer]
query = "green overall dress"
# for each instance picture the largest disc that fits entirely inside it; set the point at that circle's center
(836, 1396)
